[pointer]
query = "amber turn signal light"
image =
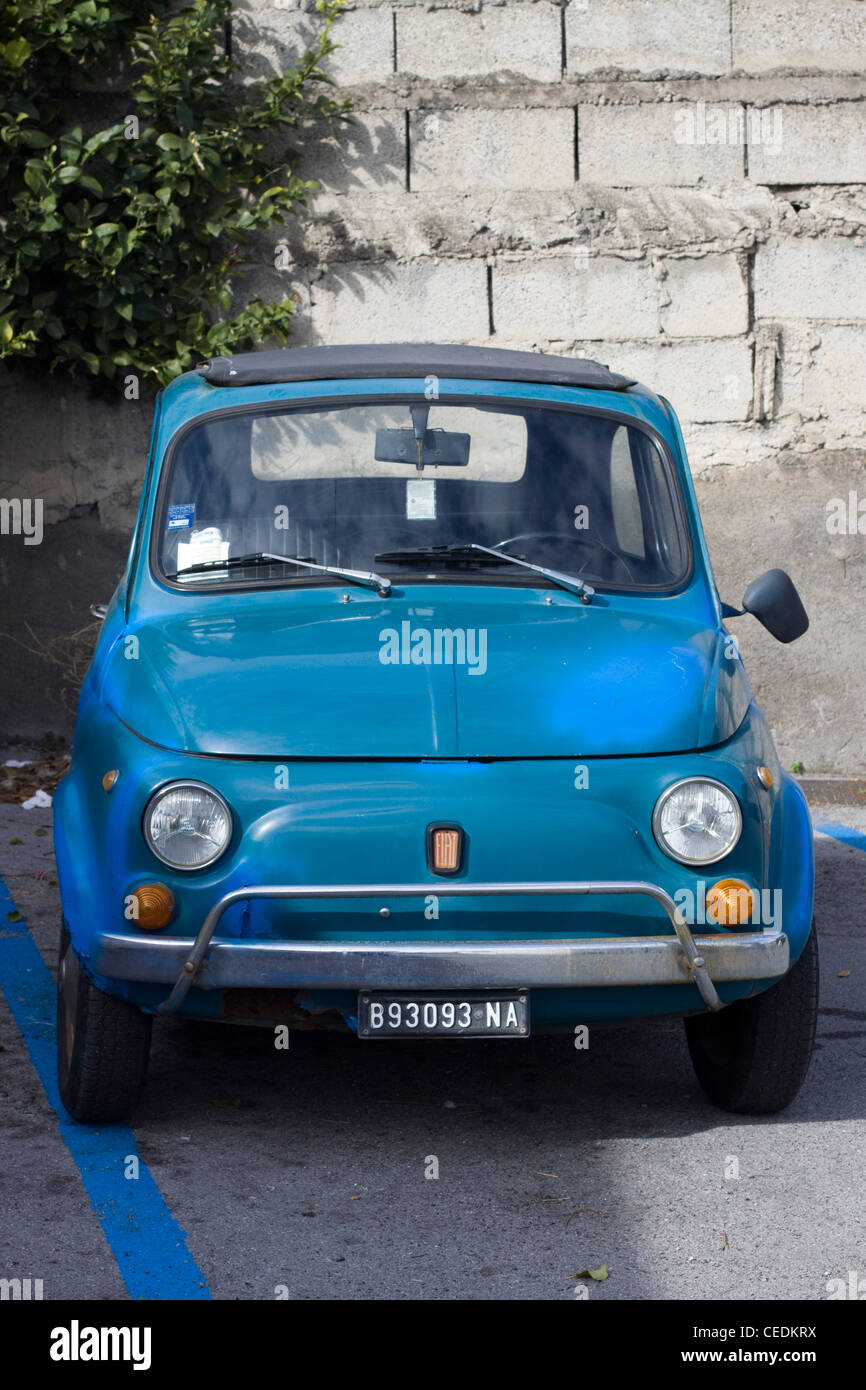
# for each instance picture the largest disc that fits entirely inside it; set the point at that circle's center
(765, 777)
(730, 903)
(150, 906)
(109, 779)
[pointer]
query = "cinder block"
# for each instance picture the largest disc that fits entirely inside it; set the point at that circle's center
(647, 36)
(836, 376)
(368, 153)
(808, 144)
(779, 35)
(707, 297)
(705, 382)
(269, 39)
(492, 150)
(809, 279)
(424, 301)
(519, 38)
(673, 143)
(569, 297)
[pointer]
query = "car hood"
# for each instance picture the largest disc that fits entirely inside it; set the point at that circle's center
(466, 673)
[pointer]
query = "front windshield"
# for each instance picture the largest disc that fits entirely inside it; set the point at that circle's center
(388, 486)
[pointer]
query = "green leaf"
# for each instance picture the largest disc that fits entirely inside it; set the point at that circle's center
(597, 1274)
(35, 139)
(102, 137)
(34, 178)
(16, 52)
(106, 229)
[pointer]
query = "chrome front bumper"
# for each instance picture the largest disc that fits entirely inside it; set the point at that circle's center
(458, 964)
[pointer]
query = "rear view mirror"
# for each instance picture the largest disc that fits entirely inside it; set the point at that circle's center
(435, 448)
(774, 601)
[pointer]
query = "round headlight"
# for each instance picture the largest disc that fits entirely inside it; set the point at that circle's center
(187, 825)
(697, 821)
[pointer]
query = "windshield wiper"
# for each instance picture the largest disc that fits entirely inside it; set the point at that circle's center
(369, 581)
(584, 591)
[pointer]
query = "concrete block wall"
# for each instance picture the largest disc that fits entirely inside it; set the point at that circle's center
(676, 189)
(673, 186)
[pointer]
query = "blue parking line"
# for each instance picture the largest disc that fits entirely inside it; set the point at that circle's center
(855, 838)
(146, 1241)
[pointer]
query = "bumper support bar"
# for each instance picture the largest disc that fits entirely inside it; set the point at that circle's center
(550, 963)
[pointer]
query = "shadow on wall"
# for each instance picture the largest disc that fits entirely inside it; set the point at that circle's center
(47, 632)
(813, 691)
(76, 462)
(367, 152)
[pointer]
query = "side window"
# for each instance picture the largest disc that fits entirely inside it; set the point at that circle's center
(668, 545)
(624, 498)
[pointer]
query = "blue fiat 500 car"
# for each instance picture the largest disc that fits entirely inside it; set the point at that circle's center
(415, 714)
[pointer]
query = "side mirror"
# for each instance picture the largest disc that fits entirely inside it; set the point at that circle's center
(774, 601)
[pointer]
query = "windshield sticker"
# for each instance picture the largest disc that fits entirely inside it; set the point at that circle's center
(180, 516)
(202, 546)
(420, 499)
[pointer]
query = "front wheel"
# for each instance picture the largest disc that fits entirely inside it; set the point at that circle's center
(103, 1046)
(752, 1057)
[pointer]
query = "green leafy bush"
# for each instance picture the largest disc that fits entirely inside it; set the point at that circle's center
(118, 243)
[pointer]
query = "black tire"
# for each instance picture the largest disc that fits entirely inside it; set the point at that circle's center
(752, 1057)
(103, 1046)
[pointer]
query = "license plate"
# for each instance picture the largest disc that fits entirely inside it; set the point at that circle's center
(472, 1014)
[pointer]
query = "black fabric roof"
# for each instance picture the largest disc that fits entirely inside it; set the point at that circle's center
(408, 360)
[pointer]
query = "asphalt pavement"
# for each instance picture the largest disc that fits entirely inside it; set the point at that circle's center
(475, 1170)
